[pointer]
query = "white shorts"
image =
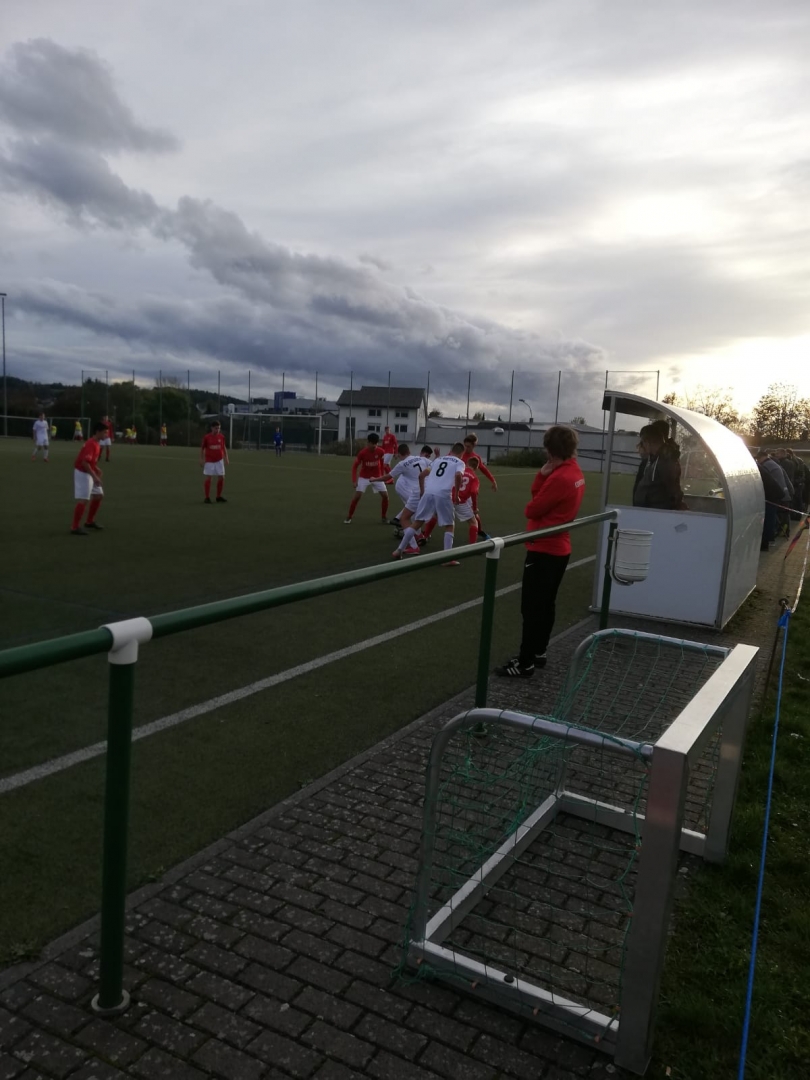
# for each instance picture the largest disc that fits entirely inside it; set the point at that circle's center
(377, 485)
(387, 459)
(42, 443)
(464, 511)
(403, 489)
(214, 468)
(84, 485)
(438, 506)
(105, 442)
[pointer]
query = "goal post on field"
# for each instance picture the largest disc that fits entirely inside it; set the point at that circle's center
(21, 427)
(550, 843)
(256, 431)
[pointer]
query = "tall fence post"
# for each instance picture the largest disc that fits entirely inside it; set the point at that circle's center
(112, 998)
(487, 619)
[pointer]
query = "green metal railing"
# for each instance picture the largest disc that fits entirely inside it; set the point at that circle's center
(121, 641)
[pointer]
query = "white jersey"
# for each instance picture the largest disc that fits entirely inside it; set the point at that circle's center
(442, 476)
(407, 472)
(42, 430)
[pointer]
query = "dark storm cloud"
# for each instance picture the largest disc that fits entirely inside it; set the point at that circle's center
(75, 180)
(46, 89)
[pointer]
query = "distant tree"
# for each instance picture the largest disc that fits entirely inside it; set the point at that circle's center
(478, 416)
(671, 398)
(714, 401)
(780, 413)
(434, 414)
(579, 420)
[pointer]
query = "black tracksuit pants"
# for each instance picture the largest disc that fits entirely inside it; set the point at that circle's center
(542, 577)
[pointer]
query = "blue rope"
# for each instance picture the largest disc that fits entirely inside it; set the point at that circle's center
(784, 622)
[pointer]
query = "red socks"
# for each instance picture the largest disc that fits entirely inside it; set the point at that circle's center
(473, 534)
(385, 506)
(207, 487)
(94, 505)
(429, 527)
(220, 484)
(353, 506)
(77, 514)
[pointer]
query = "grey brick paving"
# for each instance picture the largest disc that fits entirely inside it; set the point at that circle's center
(274, 953)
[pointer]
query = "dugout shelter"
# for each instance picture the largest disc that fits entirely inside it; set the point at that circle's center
(704, 560)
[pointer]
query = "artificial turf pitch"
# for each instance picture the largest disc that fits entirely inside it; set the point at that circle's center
(163, 549)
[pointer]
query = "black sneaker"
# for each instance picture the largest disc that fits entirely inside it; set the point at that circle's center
(78, 532)
(220, 498)
(206, 500)
(483, 535)
(92, 525)
(514, 670)
(539, 661)
(394, 522)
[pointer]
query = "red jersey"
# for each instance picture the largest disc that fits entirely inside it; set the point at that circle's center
(369, 461)
(555, 499)
(214, 446)
(389, 444)
(88, 455)
(469, 488)
(110, 426)
(465, 457)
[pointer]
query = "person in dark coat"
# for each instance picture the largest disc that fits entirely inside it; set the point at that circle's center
(658, 480)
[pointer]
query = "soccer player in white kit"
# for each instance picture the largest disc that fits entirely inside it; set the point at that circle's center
(438, 485)
(406, 474)
(41, 436)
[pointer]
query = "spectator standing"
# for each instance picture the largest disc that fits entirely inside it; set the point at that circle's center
(557, 493)
(658, 480)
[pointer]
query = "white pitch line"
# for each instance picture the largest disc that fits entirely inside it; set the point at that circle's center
(67, 761)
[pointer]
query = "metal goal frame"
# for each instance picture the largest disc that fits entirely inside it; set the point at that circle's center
(721, 705)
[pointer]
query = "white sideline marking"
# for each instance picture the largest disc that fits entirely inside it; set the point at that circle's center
(67, 761)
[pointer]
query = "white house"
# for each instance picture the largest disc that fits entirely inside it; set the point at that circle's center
(373, 408)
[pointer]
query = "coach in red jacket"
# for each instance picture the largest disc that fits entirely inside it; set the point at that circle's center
(556, 496)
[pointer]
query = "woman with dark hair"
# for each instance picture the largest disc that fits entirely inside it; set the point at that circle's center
(658, 480)
(556, 496)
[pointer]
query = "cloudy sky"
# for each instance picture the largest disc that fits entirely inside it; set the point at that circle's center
(368, 186)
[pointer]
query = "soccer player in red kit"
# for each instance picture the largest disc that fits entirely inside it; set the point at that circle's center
(467, 498)
(390, 445)
(367, 469)
(87, 482)
(108, 435)
(213, 459)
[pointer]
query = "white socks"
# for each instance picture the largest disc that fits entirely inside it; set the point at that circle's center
(448, 541)
(407, 538)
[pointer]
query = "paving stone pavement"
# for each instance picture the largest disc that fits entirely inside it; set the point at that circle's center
(272, 954)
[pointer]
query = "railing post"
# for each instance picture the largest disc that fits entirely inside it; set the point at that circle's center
(608, 581)
(112, 998)
(487, 616)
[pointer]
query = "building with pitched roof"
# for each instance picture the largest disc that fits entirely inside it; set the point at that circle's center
(373, 408)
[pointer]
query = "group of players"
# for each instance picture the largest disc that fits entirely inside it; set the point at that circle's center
(435, 488)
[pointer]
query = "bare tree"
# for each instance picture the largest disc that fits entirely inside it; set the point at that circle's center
(781, 414)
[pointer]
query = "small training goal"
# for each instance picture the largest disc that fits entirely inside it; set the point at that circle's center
(550, 843)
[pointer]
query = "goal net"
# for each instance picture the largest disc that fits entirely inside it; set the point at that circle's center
(257, 431)
(550, 843)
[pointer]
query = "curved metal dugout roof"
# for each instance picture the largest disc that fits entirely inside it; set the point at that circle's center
(736, 470)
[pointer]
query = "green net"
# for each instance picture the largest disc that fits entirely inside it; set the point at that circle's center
(554, 910)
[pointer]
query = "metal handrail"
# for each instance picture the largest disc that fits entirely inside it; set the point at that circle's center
(39, 654)
(121, 640)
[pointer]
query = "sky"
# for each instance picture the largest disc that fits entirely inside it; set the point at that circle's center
(356, 187)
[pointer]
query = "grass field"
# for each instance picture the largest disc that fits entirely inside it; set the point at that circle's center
(703, 995)
(162, 549)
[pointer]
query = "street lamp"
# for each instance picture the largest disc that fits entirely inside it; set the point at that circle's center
(523, 401)
(5, 391)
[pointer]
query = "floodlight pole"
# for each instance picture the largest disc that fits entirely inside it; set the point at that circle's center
(107, 392)
(557, 406)
(509, 425)
(5, 387)
(188, 410)
(467, 421)
(160, 401)
(523, 401)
